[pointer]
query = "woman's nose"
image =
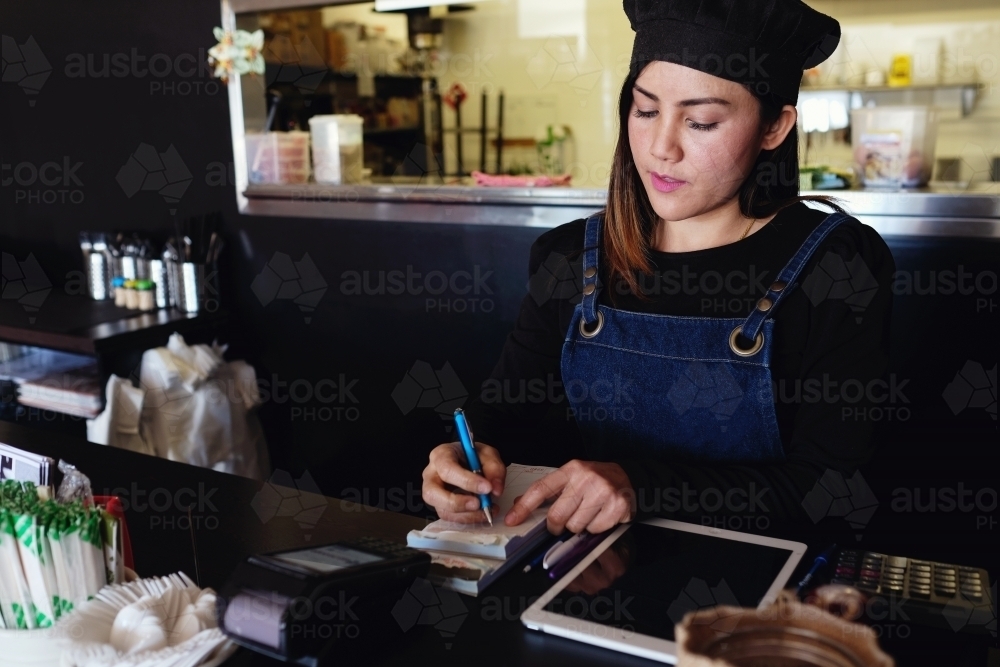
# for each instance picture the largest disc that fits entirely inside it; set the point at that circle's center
(665, 144)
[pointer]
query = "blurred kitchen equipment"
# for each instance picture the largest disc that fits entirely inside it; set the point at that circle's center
(337, 148)
(948, 169)
(96, 265)
(161, 282)
(901, 70)
(454, 98)
(195, 290)
(875, 77)
(278, 157)
(995, 170)
(191, 259)
(894, 145)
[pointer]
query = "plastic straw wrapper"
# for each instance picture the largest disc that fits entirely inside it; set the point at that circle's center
(16, 600)
(66, 595)
(36, 562)
(114, 558)
(92, 552)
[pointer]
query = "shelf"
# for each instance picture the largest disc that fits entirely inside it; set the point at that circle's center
(79, 324)
(392, 130)
(969, 91)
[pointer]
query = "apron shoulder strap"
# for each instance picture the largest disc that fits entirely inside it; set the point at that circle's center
(785, 281)
(591, 243)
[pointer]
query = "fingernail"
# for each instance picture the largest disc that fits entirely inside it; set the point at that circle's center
(472, 504)
(485, 487)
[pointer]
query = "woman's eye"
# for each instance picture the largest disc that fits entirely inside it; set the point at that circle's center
(701, 126)
(639, 113)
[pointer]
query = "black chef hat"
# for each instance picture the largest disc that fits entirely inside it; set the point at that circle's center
(765, 43)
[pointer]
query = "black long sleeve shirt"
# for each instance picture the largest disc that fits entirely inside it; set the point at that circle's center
(829, 363)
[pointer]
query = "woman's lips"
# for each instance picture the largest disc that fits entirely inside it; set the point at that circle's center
(665, 183)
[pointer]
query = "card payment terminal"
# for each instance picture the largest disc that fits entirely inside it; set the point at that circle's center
(286, 604)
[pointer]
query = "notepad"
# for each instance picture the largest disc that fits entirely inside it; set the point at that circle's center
(468, 557)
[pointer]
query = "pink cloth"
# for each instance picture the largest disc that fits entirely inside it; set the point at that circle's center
(505, 181)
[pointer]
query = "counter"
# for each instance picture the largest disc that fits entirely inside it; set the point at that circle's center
(942, 209)
(204, 523)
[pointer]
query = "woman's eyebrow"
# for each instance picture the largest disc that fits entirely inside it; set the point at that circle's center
(685, 103)
(646, 93)
(703, 100)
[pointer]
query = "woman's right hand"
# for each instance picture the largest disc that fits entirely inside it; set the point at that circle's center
(448, 482)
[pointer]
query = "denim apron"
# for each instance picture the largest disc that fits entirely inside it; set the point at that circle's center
(676, 387)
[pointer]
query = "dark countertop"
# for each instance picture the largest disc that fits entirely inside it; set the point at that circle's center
(232, 517)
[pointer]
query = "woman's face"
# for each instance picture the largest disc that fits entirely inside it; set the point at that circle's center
(694, 138)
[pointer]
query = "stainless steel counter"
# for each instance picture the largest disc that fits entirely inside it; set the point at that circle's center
(943, 209)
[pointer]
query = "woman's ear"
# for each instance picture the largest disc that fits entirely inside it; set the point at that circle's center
(780, 128)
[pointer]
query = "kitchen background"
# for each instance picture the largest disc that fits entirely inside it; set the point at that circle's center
(561, 63)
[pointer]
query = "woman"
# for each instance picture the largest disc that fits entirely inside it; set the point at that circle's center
(727, 339)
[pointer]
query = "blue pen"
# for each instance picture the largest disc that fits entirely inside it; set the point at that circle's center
(818, 564)
(465, 435)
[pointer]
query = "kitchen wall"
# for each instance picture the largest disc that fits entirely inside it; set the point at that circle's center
(563, 61)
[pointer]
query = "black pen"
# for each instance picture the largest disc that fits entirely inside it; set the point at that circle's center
(818, 564)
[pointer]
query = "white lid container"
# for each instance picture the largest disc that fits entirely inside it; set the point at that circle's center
(337, 148)
(894, 145)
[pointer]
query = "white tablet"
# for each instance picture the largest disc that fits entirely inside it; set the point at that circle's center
(627, 593)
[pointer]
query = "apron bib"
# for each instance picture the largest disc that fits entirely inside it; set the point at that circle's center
(669, 386)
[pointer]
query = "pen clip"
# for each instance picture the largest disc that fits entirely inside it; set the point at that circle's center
(559, 550)
(579, 552)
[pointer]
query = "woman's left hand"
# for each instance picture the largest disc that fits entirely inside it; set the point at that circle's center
(593, 496)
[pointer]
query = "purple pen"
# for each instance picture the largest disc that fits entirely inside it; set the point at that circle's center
(570, 560)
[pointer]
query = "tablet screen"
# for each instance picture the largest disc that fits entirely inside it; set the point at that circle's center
(650, 577)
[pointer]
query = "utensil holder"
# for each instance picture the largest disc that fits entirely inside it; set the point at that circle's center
(197, 287)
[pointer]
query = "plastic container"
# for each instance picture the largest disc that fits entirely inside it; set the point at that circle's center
(278, 157)
(121, 297)
(131, 295)
(145, 295)
(337, 148)
(894, 145)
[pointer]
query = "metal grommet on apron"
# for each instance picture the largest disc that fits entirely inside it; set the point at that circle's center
(670, 386)
(758, 343)
(596, 330)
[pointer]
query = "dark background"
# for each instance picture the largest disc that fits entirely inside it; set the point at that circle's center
(100, 121)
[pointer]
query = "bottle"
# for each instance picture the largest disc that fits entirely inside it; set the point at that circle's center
(118, 283)
(144, 294)
(131, 296)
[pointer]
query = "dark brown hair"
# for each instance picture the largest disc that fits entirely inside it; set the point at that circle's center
(630, 222)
